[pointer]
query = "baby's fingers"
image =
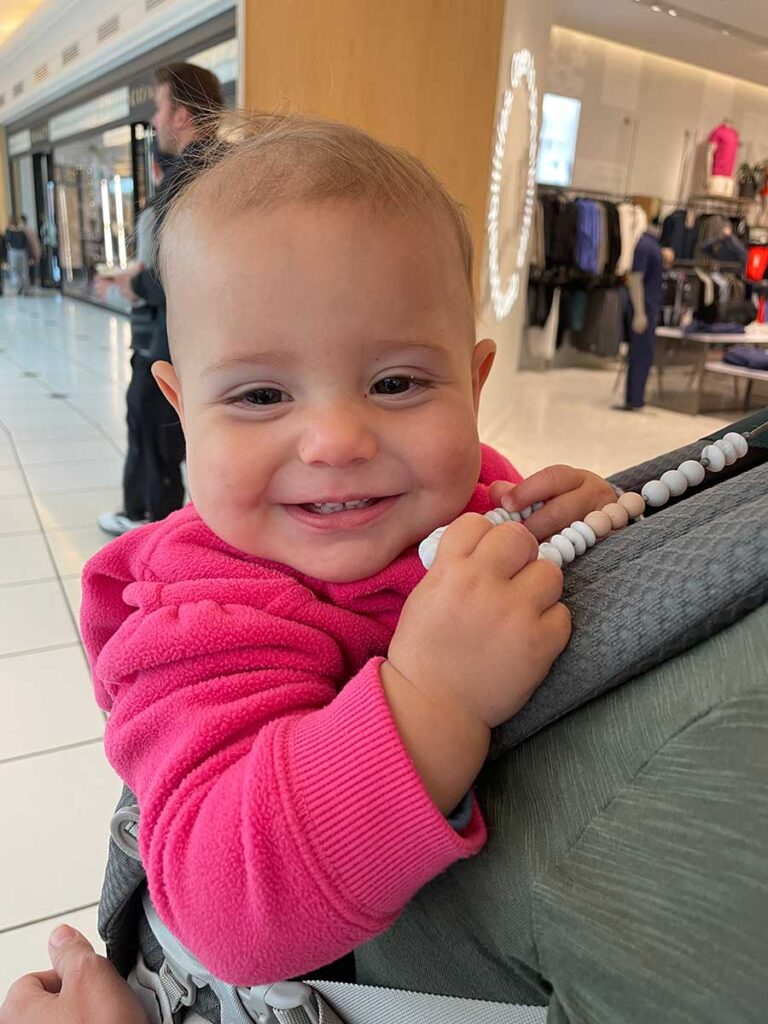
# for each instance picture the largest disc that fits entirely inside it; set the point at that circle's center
(540, 585)
(499, 490)
(556, 515)
(547, 483)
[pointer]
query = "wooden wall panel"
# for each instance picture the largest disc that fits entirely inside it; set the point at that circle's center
(421, 74)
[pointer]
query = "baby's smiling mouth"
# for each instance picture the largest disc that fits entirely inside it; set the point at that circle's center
(325, 508)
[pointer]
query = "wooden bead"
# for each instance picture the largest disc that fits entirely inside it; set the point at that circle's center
(676, 481)
(693, 472)
(739, 442)
(633, 503)
(617, 514)
(656, 493)
(600, 522)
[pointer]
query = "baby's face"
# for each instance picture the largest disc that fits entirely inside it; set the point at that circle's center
(327, 383)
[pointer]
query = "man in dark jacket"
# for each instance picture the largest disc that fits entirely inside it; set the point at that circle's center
(18, 255)
(187, 105)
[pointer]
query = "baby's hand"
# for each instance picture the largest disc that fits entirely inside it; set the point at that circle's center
(474, 640)
(569, 494)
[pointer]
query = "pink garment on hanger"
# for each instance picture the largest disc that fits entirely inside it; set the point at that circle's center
(726, 139)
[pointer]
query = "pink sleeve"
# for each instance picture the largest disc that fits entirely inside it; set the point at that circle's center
(282, 824)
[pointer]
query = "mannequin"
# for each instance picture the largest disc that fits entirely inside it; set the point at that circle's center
(723, 145)
(644, 284)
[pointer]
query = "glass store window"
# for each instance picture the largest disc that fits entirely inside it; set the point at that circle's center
(95, 202)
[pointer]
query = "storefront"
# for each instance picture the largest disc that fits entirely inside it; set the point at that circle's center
(82, 174)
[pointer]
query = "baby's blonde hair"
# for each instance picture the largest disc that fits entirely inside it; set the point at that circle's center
(267, 160)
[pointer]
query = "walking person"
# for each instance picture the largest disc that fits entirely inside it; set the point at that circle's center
(188, 104)
(18, 255)
(35, 249)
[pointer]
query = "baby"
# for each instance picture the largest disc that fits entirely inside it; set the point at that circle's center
(299, 708)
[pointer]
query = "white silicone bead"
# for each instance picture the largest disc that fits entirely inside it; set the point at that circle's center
(739, 442)
(514, 517)
(586, 532)
(564, 546)
(537, 505)
(497, 516)
(728, 451)
(655, 493)
(713, 458)
(526, 513)
(693, 472)
(675, 481)
(579, 544)
(428, 547)
(550, 553)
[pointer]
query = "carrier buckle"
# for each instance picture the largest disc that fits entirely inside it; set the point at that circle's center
(262, 1000)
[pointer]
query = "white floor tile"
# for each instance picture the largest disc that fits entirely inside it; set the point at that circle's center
(42, 429)
(17, 515)
(11, 482)
(25, 950)
(56, 809)
(46, 700)
(75, 476)
(73, 590)
(76, 508)
(48, 453)
(72, 548)
(24, 557)
(34, 615)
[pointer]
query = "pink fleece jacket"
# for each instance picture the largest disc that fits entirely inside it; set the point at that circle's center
(282, 821)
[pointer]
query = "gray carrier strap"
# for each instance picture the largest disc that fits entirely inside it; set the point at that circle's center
(316, 1002)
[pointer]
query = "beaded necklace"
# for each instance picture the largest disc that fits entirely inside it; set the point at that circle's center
(574, 540)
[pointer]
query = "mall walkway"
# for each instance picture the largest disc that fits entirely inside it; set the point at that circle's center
(63, 373)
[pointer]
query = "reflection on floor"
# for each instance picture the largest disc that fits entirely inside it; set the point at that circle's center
(63, 373)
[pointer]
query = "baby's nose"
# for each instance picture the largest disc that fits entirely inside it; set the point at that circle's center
(337, 437)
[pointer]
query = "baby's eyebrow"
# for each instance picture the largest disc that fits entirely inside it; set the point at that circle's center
(282, 358)
(275, 358)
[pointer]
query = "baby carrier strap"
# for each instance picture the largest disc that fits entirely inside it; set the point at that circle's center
(173, 986)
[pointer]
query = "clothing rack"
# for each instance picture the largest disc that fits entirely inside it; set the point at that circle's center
(586, 193)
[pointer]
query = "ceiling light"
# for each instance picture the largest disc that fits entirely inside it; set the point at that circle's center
(726, 32)
(672, 13)
(655, 9)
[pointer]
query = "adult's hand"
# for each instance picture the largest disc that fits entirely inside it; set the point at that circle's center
(82, 988)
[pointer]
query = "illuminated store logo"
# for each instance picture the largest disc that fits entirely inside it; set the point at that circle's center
(504, 298)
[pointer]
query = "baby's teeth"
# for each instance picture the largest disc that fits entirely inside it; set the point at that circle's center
(339, 506)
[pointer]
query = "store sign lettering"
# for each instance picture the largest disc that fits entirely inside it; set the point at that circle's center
(38, 134)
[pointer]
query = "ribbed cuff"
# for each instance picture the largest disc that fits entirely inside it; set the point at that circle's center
(371, 827)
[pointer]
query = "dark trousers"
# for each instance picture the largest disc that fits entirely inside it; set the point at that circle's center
(642, 348)
(152, 484)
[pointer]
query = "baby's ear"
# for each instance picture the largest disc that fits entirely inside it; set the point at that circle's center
(168, 382)
(483, 356)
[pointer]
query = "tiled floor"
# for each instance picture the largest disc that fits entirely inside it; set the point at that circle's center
(60, 464)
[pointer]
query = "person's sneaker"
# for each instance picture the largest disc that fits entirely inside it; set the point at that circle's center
(118, 523)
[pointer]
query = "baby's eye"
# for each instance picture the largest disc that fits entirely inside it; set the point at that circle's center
(263, 396)
(399, 385)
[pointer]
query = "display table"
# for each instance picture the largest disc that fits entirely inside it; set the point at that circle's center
(681, 366)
